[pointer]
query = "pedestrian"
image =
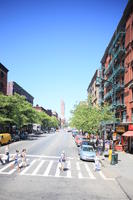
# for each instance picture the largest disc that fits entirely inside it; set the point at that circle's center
(7, 154)
(1, 160)
(62, 161)
(23, 157)
(16, 161)
(97, 164)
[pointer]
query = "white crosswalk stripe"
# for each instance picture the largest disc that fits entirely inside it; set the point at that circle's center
(38, 167)
(50, 168)
(89, 172)
(69, 170)
(46, 173)
(27, 168)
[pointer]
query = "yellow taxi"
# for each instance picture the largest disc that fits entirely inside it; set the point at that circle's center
(5, 138)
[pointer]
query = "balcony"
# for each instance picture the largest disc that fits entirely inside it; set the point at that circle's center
(101, 90)
(108, 95)
(119, 104)
(119, 86)
(117, 54)
(101, 101)
(118, 70)
(115, 42)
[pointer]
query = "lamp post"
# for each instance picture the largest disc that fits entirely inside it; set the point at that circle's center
(98, 80)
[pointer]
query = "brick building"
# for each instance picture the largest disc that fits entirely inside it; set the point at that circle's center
(3, 79)
(13, 87)
(40, 109)
(93, 90)
(117, 68)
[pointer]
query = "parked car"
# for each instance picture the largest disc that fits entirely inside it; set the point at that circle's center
(5, 138)
(15, 137)
(79, 139)
(87, 153)
(88, 142)
(23, 135)
(74, 133)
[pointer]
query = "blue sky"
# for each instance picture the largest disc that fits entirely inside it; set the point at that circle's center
(53, 47)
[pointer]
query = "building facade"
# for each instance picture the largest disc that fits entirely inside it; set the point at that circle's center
(13, 87)
(93, 89)
(117, 68)
(3, 79)
(40, 109)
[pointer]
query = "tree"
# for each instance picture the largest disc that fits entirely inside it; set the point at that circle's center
(88, 118)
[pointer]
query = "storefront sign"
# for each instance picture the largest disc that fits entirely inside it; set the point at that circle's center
(130, 127)
(120, 129)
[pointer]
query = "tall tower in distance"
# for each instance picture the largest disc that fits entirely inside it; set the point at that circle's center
(62, 113)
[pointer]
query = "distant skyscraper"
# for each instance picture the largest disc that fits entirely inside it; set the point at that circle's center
(62, 112)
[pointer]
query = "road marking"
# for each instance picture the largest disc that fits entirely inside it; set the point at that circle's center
(89, 171)
(48, 168)
(38, 167)
(27, 168)
(42, 156)
(105, 178)
(4, 168)
(78, 169)
(69, 170)
(57, 174)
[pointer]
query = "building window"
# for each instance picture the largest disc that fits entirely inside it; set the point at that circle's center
(122, 98)
(1, 86)
(2, 74)
(122, 79)
(123, 116)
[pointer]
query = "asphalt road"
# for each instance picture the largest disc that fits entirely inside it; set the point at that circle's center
(43, 180)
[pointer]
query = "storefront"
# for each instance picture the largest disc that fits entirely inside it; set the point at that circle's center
(117, 137)
(128, 139)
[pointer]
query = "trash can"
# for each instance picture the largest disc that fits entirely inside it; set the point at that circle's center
(114, 159)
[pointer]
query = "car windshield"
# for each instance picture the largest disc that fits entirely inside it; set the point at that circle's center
(90, 149)
(85, 142)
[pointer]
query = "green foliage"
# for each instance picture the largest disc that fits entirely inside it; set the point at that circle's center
(15, 110)
(87, 118)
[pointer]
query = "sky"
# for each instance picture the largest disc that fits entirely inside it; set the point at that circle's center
(52, 48)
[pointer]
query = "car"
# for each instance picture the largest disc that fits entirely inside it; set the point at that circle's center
(87, 153)
(23, 135)
(74, 133)
(79, 139)
(88, 142)
(5, 138)
(15, 137)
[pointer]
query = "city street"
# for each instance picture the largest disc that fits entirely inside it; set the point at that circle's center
(42, 179)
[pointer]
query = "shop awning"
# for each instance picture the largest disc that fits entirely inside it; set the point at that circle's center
(128, 134)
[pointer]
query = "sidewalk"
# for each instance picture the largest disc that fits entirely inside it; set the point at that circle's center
(123, 172)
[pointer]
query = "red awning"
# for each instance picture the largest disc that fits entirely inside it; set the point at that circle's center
(128, 134)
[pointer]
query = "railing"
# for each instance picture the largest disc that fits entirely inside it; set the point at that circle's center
(101, 101)
(101, 89)
(119, 87)
(119, 104)
(116, 54)
(117, 70)
(120, 34)
(108, 94)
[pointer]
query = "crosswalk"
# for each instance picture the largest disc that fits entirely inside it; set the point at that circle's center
(50, 168)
